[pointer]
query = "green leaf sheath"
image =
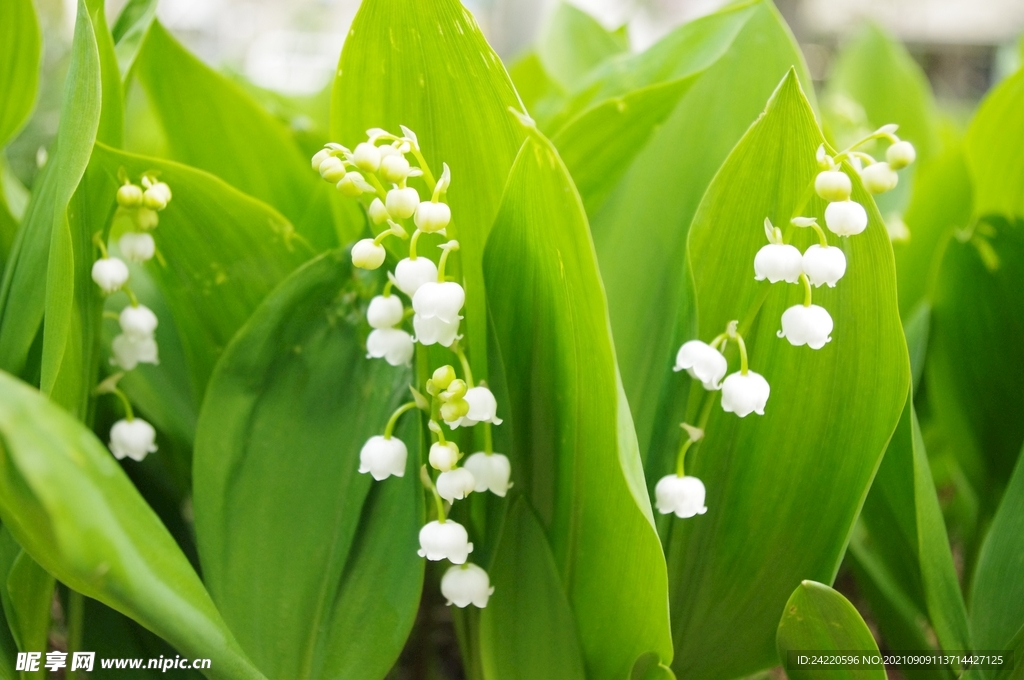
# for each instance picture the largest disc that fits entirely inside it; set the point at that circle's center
(784, 489)
(69, 504)
(819, 619)
(313, 564)
(574, 454)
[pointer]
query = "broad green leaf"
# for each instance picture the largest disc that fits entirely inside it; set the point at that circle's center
(574, 453)
(68, 503)
(539, 92)
(426, 65)
(224, 252)
(1017, 645)
(783, 489)
(212, 124)
(992, 148)
(531, 602)
(20, 55)
(111, 127)
(819, 619)
(26, 591)
(289, 406)
(572, 43)
(130, 31)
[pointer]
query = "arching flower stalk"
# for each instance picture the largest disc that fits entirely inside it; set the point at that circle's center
(421, 304)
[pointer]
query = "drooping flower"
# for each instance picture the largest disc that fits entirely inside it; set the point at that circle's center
(110, 273)
(833, 185)
(133, 439)
(683, 496)
(491, 472)
(432, 217)
(368, 255)
(385, 311)
(392, 344)
(411, 274)
(824, 265)
(777, 262)
(483, 407)
(378, 213)
(439, 299)
(900, 155)
(744, 394)
(435, 331)
(137, 322)
(393, 166)
(331, 169)
(443, 456)
(129, 352)
(156, 197)
(402, 203)
(137, 247)
(846, 218)
(383, 457)
(806, 325)
(466, 584)
(129, 195)
(446, 540)
(366, 157)
(319, 157)
(703, 362)
(879, 178)
(353, 184)
(455, 484)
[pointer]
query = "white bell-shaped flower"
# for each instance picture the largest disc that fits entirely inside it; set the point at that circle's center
(824, 265)
(110, 273)
(810, 325)
(879, 178)
(138, 323)
(378, 213)
(366, 156)
(455, 484)
(391, 344)
(385, 311)
(129, 196)
(133, 439)
(446, 540)
(745, 394)
(411, 274)
(394, 167)
(442, 300)
(161, 190)
(332, 169)
(683, 496)
(491, 472)
(846, 218)
(383, 457)
(129, 352)
(401, 203)
(435, 331)
(483, 408)
(900, 155)
(155, 198)
(833, 185)
(465, 585)
(432, 217)
(368, 255)
(319, 157)
(137, 247)
(443, 456)
(777, 262)
(703, 362)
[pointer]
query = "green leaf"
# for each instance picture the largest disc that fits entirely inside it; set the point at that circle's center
(68, 503)
(212, 124)
(130, 32)
(572, 43)
(783, 489)
(819, 619)
(574, 453)
(275, 475)
(530, 601)
(27, 594)
(539, 92)
(992, 147)
(426, 65)
(20, 55)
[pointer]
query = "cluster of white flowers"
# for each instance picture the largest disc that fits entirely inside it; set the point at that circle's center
(436, 303)
(745, 392)
(136, 216)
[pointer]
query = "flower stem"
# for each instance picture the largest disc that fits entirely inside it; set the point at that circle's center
(807, 290)
(488, 438)
(412, 244)
(446, 248)
(429, 483)
(390, 427)
(681, 456)
(428, 176)
(76, 619)
(735, 335)
(131, 295)
(97, 238)
(129, 414)
(381, 192)
(466, 370)
(387, 287)
(434, 427)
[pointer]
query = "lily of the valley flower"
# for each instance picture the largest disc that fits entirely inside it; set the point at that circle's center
(133, 439)
(435, 331)
(833, 185)
(110, 273)
(129, 352)
(366, 254)
(401, 203)
(900, 155)
(137, 247)
(331, 168)
(393, 166)
(683, 496)
(392, 344)
(483, 408)
(442, 300)
(846, 218)
(744, 394)
(432, 217)
(410, 274)
(383, 457)
(824, 265)
(138, 322)
(366, 156)
(385, 311)
(491, 472)
(444, 456)
(129, 195)
(879, 178)
(446, 540)
(703, 362)
(378, 213)
(806, 325)
(455, 484)
(776, 261)
(466, 584)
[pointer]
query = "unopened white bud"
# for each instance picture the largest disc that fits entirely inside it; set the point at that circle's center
(401, 203)
(455, 484)
(432, 217)
(332, 169)
(393, 166)
(900, 155)
(879, 178)
(745, 394)
(443, 456)
(137, 247)
(466, 584)
(411, 274)
(777, 262)
(385, 311)
(353, 184)
(833, 185)
(378, 213)
(846, 218)
(824, 265)
(368, 255)
(129, 352)
(491, 472)
(319, 157)
(133, 439)
(138, 322)
(703, 362)
(683, 496)
(366, 156)
(446, 540)
(110, 273)
(810, 325)
(391, 344)
(146, 219)
(129, 196)
(383, 457)
(154, 199)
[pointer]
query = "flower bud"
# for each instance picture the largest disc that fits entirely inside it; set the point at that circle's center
(453, 409)
(129, 196)
(402, 203)
(432, 217)
(824, 264)
(703, 362)
(378, 213)
(146, 219)
(483, 407)
(683, 496)
(138, 323)
(162, 190)
(394, 167)
(132, 439)
(130, 352)
(846, 218)
(368, 255)
(879, 178)
(366, 157)
(441, 300)
(383, 457)
(466, 584)
(109, 273)
(900, 155)
(455, 484)
(445, 541)
(154, 199)
(411, 274)
(319, 157)
(444, 456)
(353, 185)
(392, 344)
(809, 326)
(443, 377)
(745, 394)
(332, 169)
(385, 311)
(137, 247)
(435, 331)
(777, 262)
(491, 472)
(833, 185)
(456, 390)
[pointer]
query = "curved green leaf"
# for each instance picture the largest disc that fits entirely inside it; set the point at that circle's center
(69, 504)
(784, 489)
(993, 150)
(819, 619)
(20, 55)
(26, 591)
(275, 476)
(572, 43)
(574, 454)
(130, 32)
